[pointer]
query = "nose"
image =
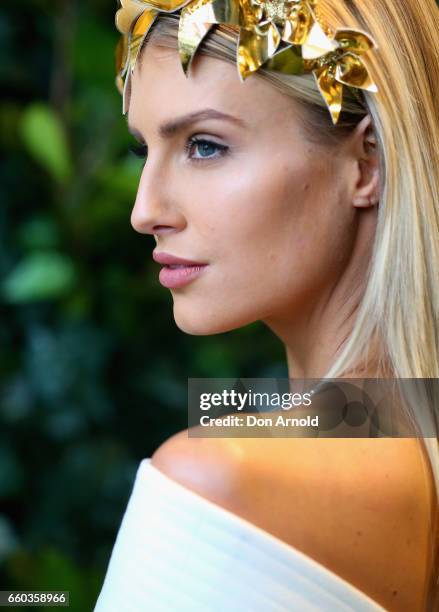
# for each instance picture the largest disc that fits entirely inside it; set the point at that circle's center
(155, 210)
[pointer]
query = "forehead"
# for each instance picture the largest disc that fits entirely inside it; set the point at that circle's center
(160, 89)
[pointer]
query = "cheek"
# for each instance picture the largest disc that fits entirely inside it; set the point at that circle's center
(268, 217)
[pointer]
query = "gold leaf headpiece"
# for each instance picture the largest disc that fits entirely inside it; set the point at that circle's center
(282, 35)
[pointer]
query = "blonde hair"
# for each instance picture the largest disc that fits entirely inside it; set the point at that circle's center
(399, 314)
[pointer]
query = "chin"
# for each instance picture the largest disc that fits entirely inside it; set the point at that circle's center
(200, 323)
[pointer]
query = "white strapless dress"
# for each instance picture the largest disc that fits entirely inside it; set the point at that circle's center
(179, 552)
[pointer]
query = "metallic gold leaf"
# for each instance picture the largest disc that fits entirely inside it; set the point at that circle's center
(228, 12)
(251, 13)
(287, 61)
(197, 18)
(126, 93)
(351, 71)
(127, 14)
(317, 43)
(298, 24)
(190, 36)
(331, 90)
(166, 6)
(356, 41)
(255, 47)
(119, 84)
(121, 55)
(140, 30)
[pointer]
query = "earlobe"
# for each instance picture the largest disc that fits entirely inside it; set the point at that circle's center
(367, 191)
(365, 202)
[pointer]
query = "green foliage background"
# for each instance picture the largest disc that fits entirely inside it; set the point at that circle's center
(93, 370)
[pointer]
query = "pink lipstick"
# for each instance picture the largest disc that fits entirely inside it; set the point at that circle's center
(177, 271)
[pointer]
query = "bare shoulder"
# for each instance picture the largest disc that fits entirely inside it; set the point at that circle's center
(361, 507)
(211, 467)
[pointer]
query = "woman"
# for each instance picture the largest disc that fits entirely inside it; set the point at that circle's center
(326, 227)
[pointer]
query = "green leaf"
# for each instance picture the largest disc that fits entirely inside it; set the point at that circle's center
(45, 139)
(40, 276)
(39, 233)
(123, 178)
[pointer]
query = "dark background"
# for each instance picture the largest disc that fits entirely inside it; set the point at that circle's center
(93, 369)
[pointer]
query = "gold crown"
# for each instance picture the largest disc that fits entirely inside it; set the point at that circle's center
(282, 35)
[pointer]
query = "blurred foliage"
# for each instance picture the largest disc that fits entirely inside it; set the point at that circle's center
(93, 370)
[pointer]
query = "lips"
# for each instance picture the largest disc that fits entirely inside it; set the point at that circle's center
(172, 260)
(177, 271)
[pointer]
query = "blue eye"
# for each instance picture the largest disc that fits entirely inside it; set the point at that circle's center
(207, 149)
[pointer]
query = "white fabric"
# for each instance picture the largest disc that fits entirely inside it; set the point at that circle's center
(178, 552)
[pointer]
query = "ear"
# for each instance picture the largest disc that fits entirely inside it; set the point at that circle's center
(365, 150)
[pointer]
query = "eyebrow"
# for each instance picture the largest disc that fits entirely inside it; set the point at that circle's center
(171, 128)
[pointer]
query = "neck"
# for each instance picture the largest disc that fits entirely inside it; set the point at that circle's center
(314, 338)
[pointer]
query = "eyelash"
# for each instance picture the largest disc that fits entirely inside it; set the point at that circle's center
(141, 150)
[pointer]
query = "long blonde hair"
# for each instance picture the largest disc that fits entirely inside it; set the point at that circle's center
(399, 312)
